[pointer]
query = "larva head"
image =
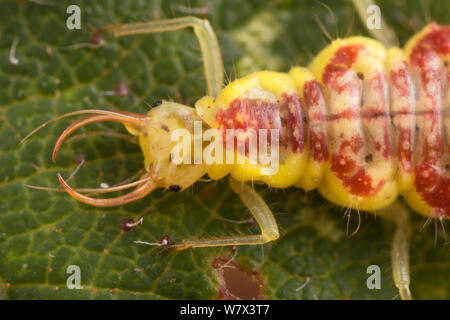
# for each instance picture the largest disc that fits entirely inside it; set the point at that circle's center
(154, 131)
(167, 133)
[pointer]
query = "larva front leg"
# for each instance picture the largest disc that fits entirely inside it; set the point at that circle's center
(209, 46)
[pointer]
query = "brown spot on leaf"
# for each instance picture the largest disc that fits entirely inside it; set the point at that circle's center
(237, 283)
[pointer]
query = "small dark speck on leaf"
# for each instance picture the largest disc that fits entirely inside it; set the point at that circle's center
(122, 90)
(127, 224)
(97, 39)
(165, 241)
(79, 159)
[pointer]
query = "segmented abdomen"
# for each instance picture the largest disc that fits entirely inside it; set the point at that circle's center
(376, 121)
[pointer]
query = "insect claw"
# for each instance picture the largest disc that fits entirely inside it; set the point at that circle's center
(121, 117)
(141, 191)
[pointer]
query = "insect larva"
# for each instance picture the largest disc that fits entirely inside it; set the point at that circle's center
(363, 124)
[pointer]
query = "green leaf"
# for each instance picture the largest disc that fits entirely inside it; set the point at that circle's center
(44, 232)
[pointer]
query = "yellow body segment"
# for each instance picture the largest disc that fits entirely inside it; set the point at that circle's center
(265, 87)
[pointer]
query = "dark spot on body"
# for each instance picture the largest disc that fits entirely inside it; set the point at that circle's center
(360, 75)
(174, 188)
(156, 103)
(165, 128)
(368, 158)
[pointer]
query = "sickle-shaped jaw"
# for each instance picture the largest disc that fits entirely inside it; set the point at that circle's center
(134, 120)
(138, 193)
(126, 118)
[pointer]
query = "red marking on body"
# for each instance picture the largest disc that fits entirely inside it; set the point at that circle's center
(432, 182)
(347, 114)
(404, 148)
(355, 144)
(313, 93)
(376, 115)
(295, 121)
(378, 83)
(432, 151)
(403, 88)
(257, 114)
(315, 104)
(437, 40)
(400, 80)
(343, 59)
(432, 45)
(353, 175)
(347, 55)
(387, 142)
(377, 146)
(318, 146)
(434, 187)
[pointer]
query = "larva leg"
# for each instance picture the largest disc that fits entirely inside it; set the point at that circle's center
(259, 210)
(209, 46)
(383, 34)
(400, 247)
